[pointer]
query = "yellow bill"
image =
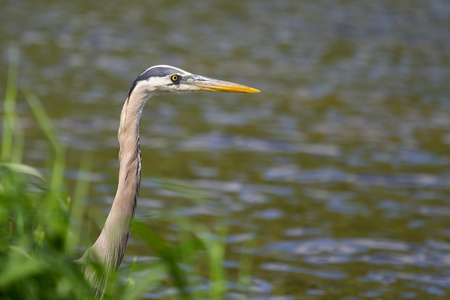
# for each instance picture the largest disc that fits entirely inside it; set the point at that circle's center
(215, 85)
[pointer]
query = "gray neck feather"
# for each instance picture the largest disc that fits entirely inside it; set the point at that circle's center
(110, 246)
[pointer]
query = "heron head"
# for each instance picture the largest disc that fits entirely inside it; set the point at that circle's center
(163, 79)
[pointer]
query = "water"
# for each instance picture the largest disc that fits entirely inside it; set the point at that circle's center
(339, 171)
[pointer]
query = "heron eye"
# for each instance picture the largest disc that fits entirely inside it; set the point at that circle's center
(175, 78)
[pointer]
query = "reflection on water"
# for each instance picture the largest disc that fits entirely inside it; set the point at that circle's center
(338, 172)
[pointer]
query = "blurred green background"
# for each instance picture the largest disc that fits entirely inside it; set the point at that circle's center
(337, 173)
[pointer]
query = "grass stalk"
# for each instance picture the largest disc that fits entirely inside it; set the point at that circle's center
(10, 105)
(50, 132)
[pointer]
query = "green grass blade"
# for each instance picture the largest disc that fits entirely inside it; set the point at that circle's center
(21, 168)
(78, 201)
(167, 253)
(46, 125)
(10, 105)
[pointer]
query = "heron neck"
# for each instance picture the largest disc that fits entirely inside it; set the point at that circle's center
(112, 242)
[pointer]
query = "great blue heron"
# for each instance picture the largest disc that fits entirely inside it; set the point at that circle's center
(109, 248)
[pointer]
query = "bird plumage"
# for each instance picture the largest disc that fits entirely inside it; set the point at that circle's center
(106, 254)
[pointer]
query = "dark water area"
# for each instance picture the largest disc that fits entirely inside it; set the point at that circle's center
(338, 172)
